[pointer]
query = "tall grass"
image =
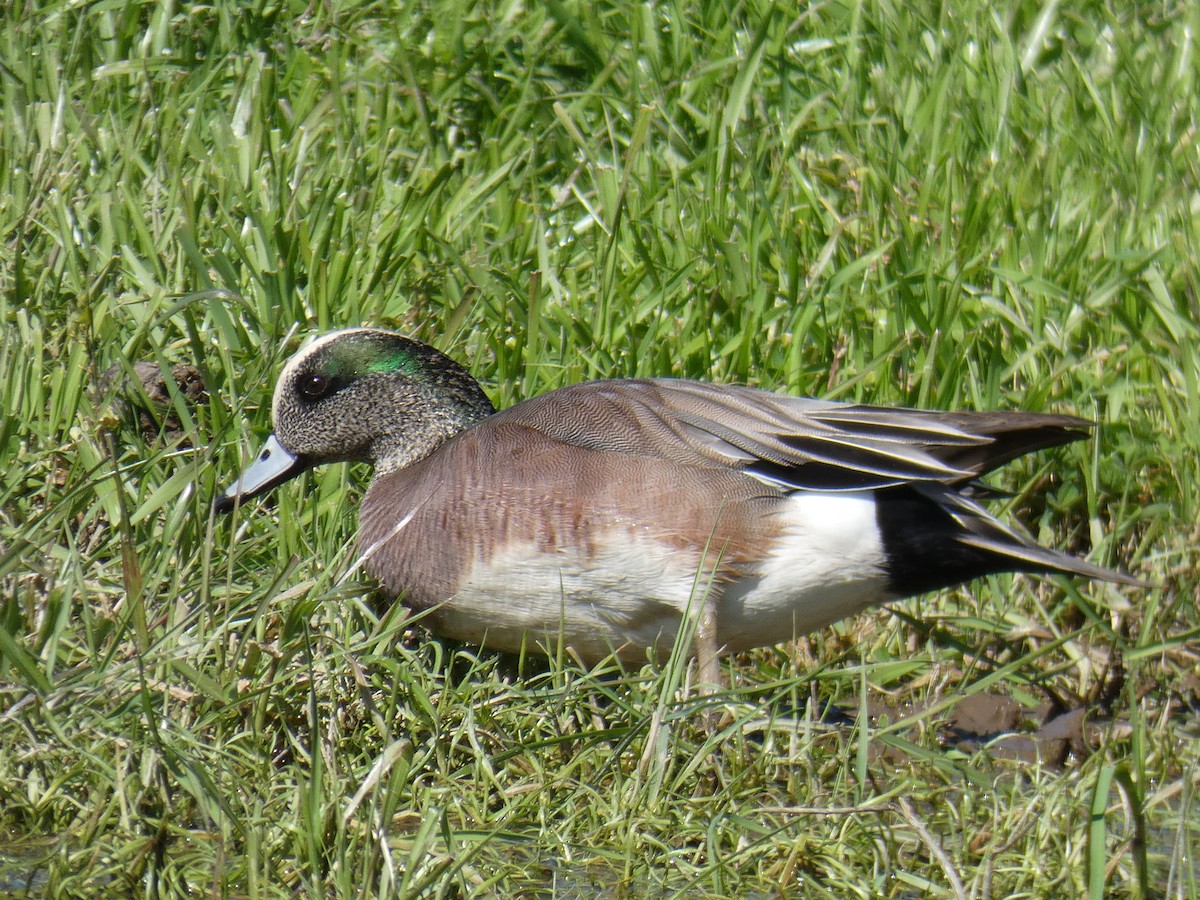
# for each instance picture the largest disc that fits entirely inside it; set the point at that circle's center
(938, 205)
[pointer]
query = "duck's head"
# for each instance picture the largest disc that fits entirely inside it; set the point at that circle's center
(360, 394)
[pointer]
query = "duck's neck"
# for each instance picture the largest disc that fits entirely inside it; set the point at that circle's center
(450, 408)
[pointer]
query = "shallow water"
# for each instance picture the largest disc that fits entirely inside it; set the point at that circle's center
(24, 869)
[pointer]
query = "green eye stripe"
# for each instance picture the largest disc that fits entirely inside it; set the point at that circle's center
(399, 362)
(351, 361)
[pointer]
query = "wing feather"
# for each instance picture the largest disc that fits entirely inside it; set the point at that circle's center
(796, 442)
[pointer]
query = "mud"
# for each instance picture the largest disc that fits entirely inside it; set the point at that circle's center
(999, 725)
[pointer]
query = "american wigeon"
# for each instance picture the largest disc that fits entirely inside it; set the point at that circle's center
(595, 514)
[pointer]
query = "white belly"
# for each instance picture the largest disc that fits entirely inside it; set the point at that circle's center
(631, 592)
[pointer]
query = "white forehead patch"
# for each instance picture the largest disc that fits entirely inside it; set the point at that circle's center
(293, 365)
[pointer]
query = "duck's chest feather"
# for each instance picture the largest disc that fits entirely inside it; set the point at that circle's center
(508, 536)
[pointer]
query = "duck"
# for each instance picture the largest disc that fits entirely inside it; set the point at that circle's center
(606, 516)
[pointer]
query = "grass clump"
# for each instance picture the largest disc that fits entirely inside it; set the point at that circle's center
(946, 206)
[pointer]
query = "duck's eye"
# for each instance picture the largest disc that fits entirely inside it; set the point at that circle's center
(314, 387)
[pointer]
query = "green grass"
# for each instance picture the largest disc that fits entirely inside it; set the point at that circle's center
(945, 206)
